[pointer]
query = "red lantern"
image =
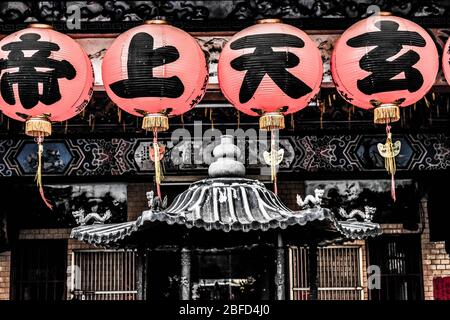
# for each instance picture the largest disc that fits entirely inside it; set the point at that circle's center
(384, 62)
(446, 61)
(270, 69)
(155, 70)
(45, 76)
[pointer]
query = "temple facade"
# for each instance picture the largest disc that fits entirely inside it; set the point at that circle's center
(109, 236)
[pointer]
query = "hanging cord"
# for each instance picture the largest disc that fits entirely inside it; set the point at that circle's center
(40, 140)
(158, 171)
(273, 165)
(389, 160)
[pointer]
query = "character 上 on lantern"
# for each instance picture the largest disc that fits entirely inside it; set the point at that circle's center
(155, 71)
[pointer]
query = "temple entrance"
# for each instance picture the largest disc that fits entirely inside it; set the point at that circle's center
(232, 275)
(400, 264)
(40, 270)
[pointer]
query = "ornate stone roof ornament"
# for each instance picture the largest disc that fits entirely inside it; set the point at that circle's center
(227, 201)
(226, 163)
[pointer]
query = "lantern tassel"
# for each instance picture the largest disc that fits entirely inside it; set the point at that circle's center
(38, 178)
(158, 171)
(273, 162)
(389, 160)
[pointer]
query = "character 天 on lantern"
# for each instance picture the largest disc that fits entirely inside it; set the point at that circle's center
(385, 62)
(155, 71)
(269, 70)
(45, 76)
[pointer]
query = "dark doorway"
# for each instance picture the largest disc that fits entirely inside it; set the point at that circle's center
(399, 259)
(233, 275)
(39, 270)
(163, 275)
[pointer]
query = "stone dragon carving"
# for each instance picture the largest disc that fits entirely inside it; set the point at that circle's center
(311, 201)
(155, 203)
(366, 215)
(83, 219)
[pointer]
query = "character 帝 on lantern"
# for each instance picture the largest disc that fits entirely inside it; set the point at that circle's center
(269, 70)
(155, 71)
(384, 62)
(45, 76)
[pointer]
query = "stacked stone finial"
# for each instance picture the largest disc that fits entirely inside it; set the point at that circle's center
(226, 163)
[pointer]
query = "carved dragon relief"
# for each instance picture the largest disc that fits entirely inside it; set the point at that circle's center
(366, 215)
(82, 219)
(311, 201)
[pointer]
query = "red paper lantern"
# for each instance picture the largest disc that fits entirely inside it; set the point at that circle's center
(446, 61)
(270, 69)
(45, 76)
(385, 62)
(155, 70)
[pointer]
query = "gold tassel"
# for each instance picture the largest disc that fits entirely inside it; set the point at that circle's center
(322, 111)
(389, 151)
(159, 176)
(119, 114)
(211, 118)
(38, 177)
(389, 164)
(271, 121)
(92, 122)
(389, 160)
(238, 119)
(292, 122)
(182, 121)
(426, 101)
(66, 127)
(38, 127)
(386, 113)
(273, 162)
(155, 121)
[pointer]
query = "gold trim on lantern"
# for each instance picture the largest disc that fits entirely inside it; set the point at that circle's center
(40, 26)
(156, 21)
(386, 113)
(269, 20)
(38, 127)
(385, 13)
(155, 121)
(271, 121)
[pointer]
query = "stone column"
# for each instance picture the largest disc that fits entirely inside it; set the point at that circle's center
(141, 274)
(280, 269)
(185, 283)
(313, 279)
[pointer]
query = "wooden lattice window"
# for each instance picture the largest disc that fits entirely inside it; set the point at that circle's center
(339, 273)
(103, 275)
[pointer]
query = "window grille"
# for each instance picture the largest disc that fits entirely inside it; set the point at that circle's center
(339, 273)
(103, 275)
